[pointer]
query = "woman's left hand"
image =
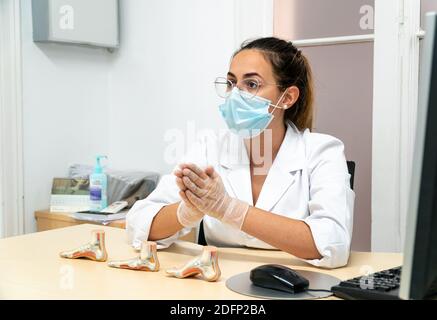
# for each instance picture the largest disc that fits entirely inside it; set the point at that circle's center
(204, 189)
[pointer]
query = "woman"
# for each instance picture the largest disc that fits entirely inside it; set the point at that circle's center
(289, 188)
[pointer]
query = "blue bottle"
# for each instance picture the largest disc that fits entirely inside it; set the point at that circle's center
(98, 187)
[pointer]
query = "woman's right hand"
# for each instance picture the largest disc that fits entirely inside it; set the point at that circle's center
(187, 214)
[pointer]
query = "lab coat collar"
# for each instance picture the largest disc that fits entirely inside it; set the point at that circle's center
(291, 155)
(290, 158)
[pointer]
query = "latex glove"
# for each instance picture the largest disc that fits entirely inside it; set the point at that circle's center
(188, 217)
(206, 192)
(187, 214)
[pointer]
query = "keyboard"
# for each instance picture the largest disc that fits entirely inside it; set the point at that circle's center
(382, 285)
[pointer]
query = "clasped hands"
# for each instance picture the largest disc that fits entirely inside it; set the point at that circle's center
(203, 193)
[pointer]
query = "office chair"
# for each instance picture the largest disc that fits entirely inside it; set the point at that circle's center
(350, 168)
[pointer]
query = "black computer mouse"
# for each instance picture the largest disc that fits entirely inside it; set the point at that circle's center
(277, 277)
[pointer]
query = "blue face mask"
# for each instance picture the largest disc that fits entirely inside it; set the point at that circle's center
(247, 117)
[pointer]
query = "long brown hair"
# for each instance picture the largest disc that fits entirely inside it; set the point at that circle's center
(290, 68)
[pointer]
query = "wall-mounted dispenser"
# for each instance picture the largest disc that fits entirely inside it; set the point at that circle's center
(94, 23)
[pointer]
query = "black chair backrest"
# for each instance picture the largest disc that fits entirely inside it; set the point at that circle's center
(350, 168)
(201, 240)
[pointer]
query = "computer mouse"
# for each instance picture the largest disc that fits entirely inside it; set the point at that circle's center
(278, 277)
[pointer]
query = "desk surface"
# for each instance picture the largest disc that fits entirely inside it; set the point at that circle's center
(30, 268)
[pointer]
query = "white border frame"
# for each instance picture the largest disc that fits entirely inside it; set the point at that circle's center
(396, 70)
(11, 127)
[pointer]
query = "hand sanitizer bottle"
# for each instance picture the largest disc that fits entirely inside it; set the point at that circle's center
(98, 187)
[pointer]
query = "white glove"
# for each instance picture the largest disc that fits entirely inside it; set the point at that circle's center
(188, 217)
(187, 214)
(206, 192)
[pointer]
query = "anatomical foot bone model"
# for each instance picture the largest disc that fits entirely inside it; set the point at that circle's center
(204, 265)
(94, 250)
(146, 261)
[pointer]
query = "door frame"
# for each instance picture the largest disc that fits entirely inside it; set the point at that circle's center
(11, 123)
(396, 76)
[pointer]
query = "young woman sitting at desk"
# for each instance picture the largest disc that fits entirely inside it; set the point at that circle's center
(289, 188)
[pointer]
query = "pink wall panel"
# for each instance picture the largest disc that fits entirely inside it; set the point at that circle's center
(344, 87)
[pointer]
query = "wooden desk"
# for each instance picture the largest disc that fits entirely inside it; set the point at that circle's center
(30, 268)
(46, 220)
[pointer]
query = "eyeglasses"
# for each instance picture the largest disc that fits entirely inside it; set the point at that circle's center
(250, 87)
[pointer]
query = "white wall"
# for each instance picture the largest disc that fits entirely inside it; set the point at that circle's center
(162, 76)
(80, 101)
(65, 112)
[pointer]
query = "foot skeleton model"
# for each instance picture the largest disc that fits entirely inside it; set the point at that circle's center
(146, 261)
(94, 250)
(204, 265)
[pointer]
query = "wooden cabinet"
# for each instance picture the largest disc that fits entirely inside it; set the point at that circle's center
(47, 220)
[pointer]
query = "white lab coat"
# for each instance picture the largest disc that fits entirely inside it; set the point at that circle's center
(308, 180)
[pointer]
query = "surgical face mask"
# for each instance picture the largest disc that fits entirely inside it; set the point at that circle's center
(245, 115)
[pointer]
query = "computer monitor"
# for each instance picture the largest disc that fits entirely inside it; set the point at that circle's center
(419, 270)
